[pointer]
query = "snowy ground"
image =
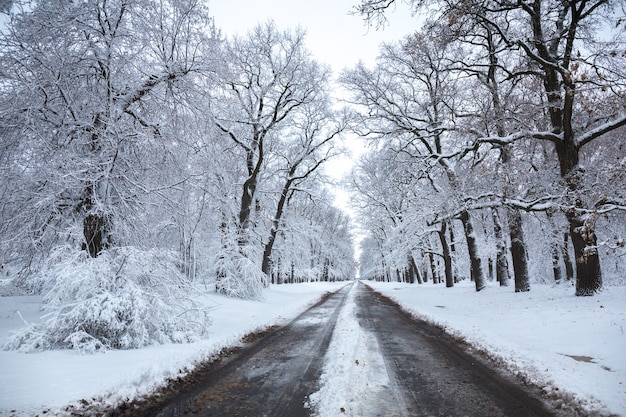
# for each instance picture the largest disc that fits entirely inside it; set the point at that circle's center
(573, 345)
(47, 381)
(557, 340)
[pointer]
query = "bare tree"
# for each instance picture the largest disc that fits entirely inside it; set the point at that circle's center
(268, 76)
(307, 147)
(572, 47)
(406, 101)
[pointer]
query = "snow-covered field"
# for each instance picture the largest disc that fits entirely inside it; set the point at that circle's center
(559, 341)
(47, 381)
(574, 345)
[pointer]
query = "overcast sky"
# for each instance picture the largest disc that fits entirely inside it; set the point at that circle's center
(334, 36)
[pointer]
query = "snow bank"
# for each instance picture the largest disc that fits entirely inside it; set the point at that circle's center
(49, 380)
(551, 337)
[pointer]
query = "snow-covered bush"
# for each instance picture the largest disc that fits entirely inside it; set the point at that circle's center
(237, 270)
(125, 298)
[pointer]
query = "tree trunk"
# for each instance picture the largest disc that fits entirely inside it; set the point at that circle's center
(95, 224)
(453, 255)
(415, 269)
(502, 263)
(410, 275)
(518, 251)
(555, 248)
(247, 197)
(249, 185)
(560, 89)
(266, 264)
(447, 259)
(588, 273)
(569, 268)
(411, 269)
(557, 273)
(325, 270)
(433, 268)
(581, 229)
(476, 268)
(95, 234)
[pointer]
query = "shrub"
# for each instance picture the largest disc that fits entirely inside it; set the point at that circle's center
(125, 298)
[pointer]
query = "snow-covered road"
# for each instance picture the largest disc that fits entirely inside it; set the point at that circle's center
(357, 375)
(355, 381)
(271, 376)
(381, 362)
(354, 354)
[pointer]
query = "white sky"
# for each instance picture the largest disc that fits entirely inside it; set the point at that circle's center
(334, 36)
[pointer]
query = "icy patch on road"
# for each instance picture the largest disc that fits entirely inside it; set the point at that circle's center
(354, 381)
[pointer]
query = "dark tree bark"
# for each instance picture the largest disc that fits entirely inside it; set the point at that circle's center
(518, 252)
(447, 258)
(560, 88)
(95, 225)
(325, 270)
(557, 273)
(266, 265)
(588, 273)
(569, 268)
(95, 234)
(555, 249)
(415, 270)
(476, 267)
(502, 263)
(453, 253)
(433, 268)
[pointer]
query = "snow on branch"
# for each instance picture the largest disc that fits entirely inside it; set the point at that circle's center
(131, 97)
(600, 130)
(540, 204)
(514, 137)
(492, 200)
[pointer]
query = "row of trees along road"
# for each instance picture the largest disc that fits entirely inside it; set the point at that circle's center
(132, 129)
(508, 117)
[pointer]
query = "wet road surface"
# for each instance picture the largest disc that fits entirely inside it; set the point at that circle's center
(430, 374)
(435, 375)
(272, 377)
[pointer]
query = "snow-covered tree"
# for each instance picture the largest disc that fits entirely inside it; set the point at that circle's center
(408, 101)
(572, 48)
(93, 128)
(84, 86)
(274, 107)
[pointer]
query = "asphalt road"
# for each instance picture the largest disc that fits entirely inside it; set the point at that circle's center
(430, 374)
(436, 376)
